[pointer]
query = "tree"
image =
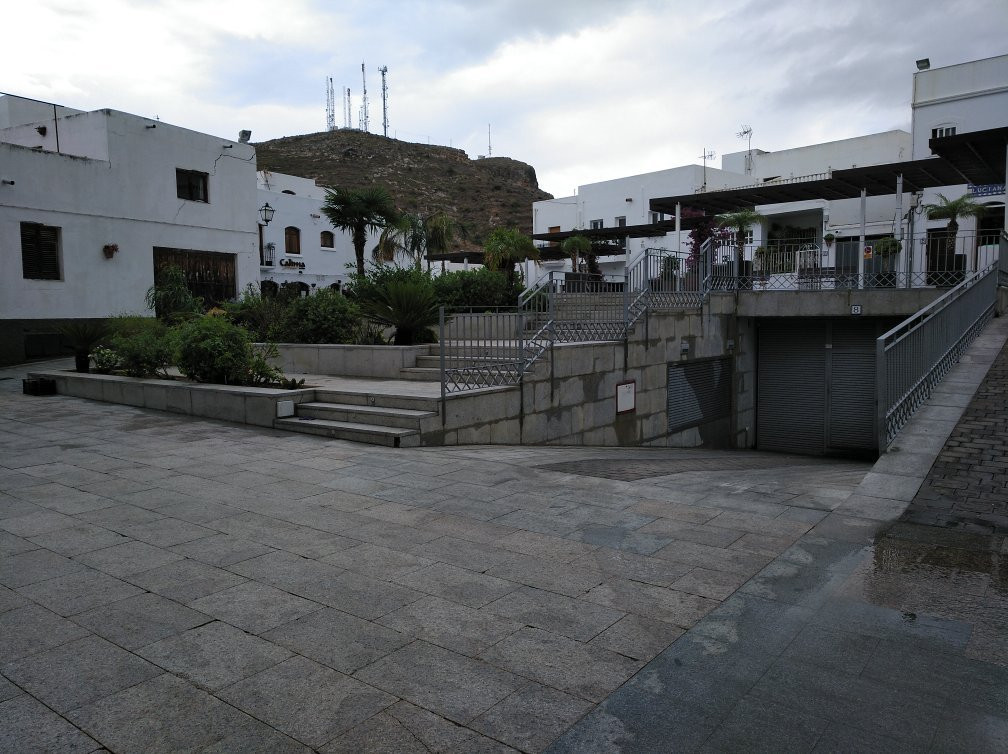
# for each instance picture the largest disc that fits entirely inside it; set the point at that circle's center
(415, 237)
(952, 210)
(505, 247)
(740, 221)
(577, 247)
(359, 212)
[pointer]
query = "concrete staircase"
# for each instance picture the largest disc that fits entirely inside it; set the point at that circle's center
(395, 421)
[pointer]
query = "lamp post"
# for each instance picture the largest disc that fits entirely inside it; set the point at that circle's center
(266, 213)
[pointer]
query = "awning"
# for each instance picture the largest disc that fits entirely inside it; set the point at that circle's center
(619, 232)
(963, 158)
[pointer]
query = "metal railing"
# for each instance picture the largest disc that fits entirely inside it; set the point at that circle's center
(1003, 259)
(480, 348)
(914, 357)
(930, 259)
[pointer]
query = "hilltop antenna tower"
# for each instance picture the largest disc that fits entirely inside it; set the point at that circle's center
(746, 133)
(330, 108)
(489, 144)
(365, 126)
(384, 100)
(347, 118)
(708, 154)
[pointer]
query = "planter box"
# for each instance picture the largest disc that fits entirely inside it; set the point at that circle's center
(382, 362)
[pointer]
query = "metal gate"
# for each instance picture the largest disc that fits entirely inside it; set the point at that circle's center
(208, 274)
(816, 386)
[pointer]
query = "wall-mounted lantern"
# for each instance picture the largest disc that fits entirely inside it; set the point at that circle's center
(266, 213)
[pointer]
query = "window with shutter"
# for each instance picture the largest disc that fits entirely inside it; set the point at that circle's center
(40, 252)
(327, 239)
(292, 240)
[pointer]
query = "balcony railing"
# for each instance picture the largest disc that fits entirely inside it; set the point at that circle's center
(267, 255)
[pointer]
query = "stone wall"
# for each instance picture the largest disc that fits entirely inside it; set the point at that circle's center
(383, 362)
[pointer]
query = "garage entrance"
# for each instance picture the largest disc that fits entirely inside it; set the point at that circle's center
(816, 385)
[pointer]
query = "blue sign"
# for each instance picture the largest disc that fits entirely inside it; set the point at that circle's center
(987, 189)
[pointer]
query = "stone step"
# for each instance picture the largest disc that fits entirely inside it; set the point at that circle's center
(385, 416)
(421, 374)
(371, 434)
(434, 362)
(384, 400)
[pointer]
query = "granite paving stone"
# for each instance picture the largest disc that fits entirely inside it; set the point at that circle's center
(31, 629)
(128, 558)
(79, 591)
(28, 725)
(12, 545)
(358, 595)
(374, 560)
(563, 578)
(32, 566)
(79, 672)
(10, 599)
(221, 550)
(253, 607)
(165, 714)
(575, 619)
(632, 566)
(137, 621)
(79, 539)
(38, 522)
(457, 584)
(638, 637)
(167, 532)
(760, 726)
(339, 640)
(184, 579)
(307, 701)
(8, 690)
(587, 671)
(214, 655)
(679, 608)
(450, 625)
(531, 717)
(718, 585)
(450, 684)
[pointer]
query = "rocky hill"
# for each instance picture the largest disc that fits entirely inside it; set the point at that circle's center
(481, 194)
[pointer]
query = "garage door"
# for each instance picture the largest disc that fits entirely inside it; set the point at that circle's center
(816, 385)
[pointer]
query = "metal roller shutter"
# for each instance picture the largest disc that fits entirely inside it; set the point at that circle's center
(852, 386)
(791, 385)
(698, 392)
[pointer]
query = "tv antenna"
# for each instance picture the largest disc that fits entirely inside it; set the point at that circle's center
(708, 154)
(746, 133)
(330, 108)
(365, 126)
(384, 100)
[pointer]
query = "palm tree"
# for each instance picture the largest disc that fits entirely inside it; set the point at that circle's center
(505, 247)
(416, 237)
(577, 247)
(359, 212)
(740, 220)
(952, 210)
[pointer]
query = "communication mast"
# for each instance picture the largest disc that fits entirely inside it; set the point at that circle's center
(347, 118)
(364, 125)
(708, 154)
(489, 144)
(330, 106)
(384, 100)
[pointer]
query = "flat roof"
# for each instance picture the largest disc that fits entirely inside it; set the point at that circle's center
(977, 158)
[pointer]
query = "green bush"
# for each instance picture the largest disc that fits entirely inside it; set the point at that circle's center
(257, 313)
(323, 317)
(211, 349)
(144, 346)
(476, 288)
(364, 288)
(410, 307)
(170, 297)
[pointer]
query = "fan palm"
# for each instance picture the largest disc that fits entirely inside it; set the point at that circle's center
(505, 247)
(415, 237)
(410, 307)
(740, 220)
(953, 210)
(577, 247)
(359, 212)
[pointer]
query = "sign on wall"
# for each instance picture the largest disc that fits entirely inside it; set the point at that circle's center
(626, 397)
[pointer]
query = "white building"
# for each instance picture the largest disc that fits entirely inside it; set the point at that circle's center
(300, 246)
(92, 203)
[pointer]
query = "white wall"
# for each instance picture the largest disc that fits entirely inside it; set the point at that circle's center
(873, 149)
(129, 199)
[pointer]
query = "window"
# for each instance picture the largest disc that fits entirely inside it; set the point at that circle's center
(596, 224)
(942, 131)
(620, 222)
(191, 185)
(327, 240)
(40, 252)
(292, 240)
(656, 217)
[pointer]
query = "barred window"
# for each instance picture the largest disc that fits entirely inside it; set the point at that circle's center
(40, 252)
(327, 240)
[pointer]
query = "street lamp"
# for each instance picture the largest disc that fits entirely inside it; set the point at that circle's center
(266, 213)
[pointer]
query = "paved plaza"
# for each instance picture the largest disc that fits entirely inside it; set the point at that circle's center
(176, 584)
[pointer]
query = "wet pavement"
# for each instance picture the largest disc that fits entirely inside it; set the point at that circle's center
(169, 583)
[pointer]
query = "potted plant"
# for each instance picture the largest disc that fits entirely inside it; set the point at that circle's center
(829, 238)
(759, 265)
(81, 336)
(886, 250)
(110, 249)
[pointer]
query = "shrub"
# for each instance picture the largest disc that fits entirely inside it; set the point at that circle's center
(170, 297)
(323, 317)
(211, 349)
(105, 359)
(361, 288)
(144, 345)
(410, 307)
(481, 287)
(257, 313)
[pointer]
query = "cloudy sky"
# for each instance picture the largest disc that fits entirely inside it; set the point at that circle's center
(584, 90)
